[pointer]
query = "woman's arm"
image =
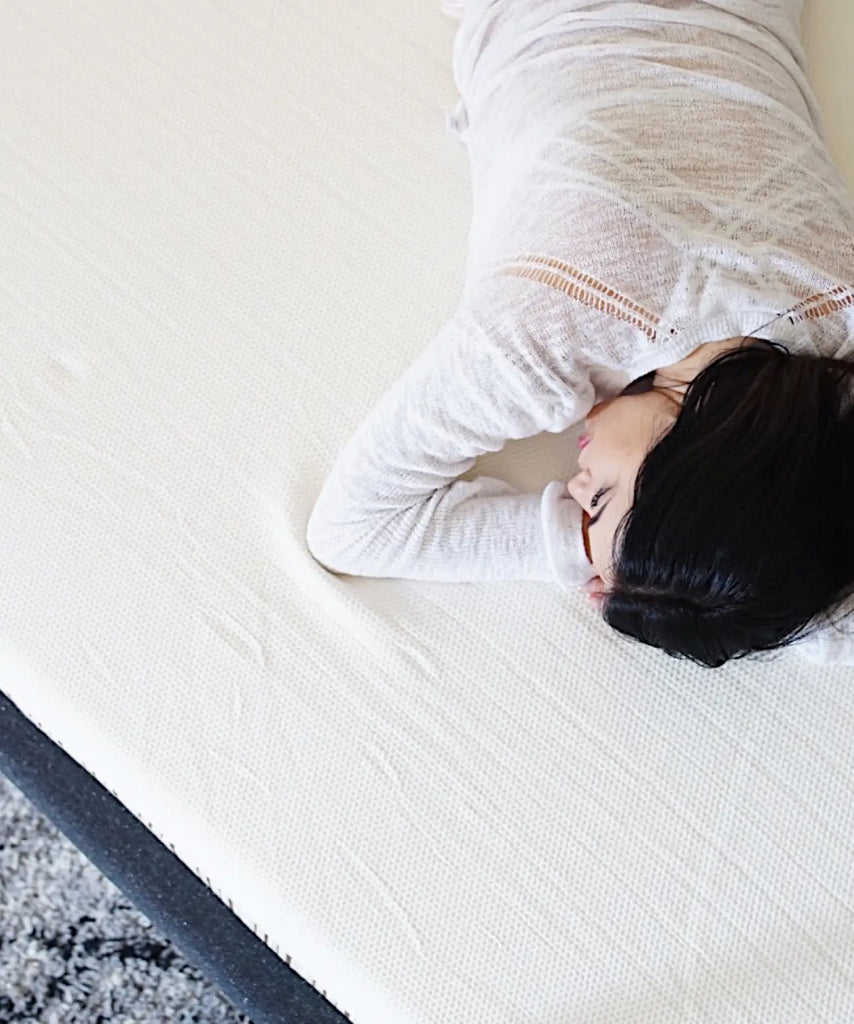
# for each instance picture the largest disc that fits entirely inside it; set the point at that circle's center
(503, 367)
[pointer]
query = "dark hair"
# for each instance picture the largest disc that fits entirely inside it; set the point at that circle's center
(741, 531)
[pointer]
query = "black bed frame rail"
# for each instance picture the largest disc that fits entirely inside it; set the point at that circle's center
(209, 935)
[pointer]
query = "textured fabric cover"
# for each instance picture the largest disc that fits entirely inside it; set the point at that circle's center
(227, 227)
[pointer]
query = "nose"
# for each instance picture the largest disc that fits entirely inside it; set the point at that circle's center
(574, 487)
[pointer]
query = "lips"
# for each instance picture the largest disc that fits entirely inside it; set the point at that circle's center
(583, 441)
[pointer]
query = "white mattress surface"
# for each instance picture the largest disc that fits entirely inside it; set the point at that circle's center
(227, 226)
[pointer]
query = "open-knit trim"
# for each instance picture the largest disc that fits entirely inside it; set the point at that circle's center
(583, 288)
(823, 304)
(591, 292)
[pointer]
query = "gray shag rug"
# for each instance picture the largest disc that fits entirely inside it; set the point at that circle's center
(73, 949)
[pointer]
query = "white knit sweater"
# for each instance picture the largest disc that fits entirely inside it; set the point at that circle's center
(647, 177)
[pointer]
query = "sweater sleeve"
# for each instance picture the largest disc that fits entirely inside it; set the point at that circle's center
(831, 642)
(392, 506)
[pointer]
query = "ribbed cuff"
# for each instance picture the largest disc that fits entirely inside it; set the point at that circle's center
(561, 519)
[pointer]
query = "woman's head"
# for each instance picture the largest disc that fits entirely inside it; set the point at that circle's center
(733, 527)
(620, 434)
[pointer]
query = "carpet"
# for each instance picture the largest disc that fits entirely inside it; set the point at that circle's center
(73, 949)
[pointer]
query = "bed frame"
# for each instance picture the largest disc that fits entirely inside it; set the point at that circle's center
(254, 978)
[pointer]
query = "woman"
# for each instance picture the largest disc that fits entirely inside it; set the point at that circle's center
(651, 188)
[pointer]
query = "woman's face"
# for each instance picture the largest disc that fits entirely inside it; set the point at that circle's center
(621, 432)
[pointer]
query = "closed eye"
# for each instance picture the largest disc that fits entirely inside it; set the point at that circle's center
(598, 515)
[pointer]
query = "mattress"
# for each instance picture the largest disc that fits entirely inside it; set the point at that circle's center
(228, 225)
